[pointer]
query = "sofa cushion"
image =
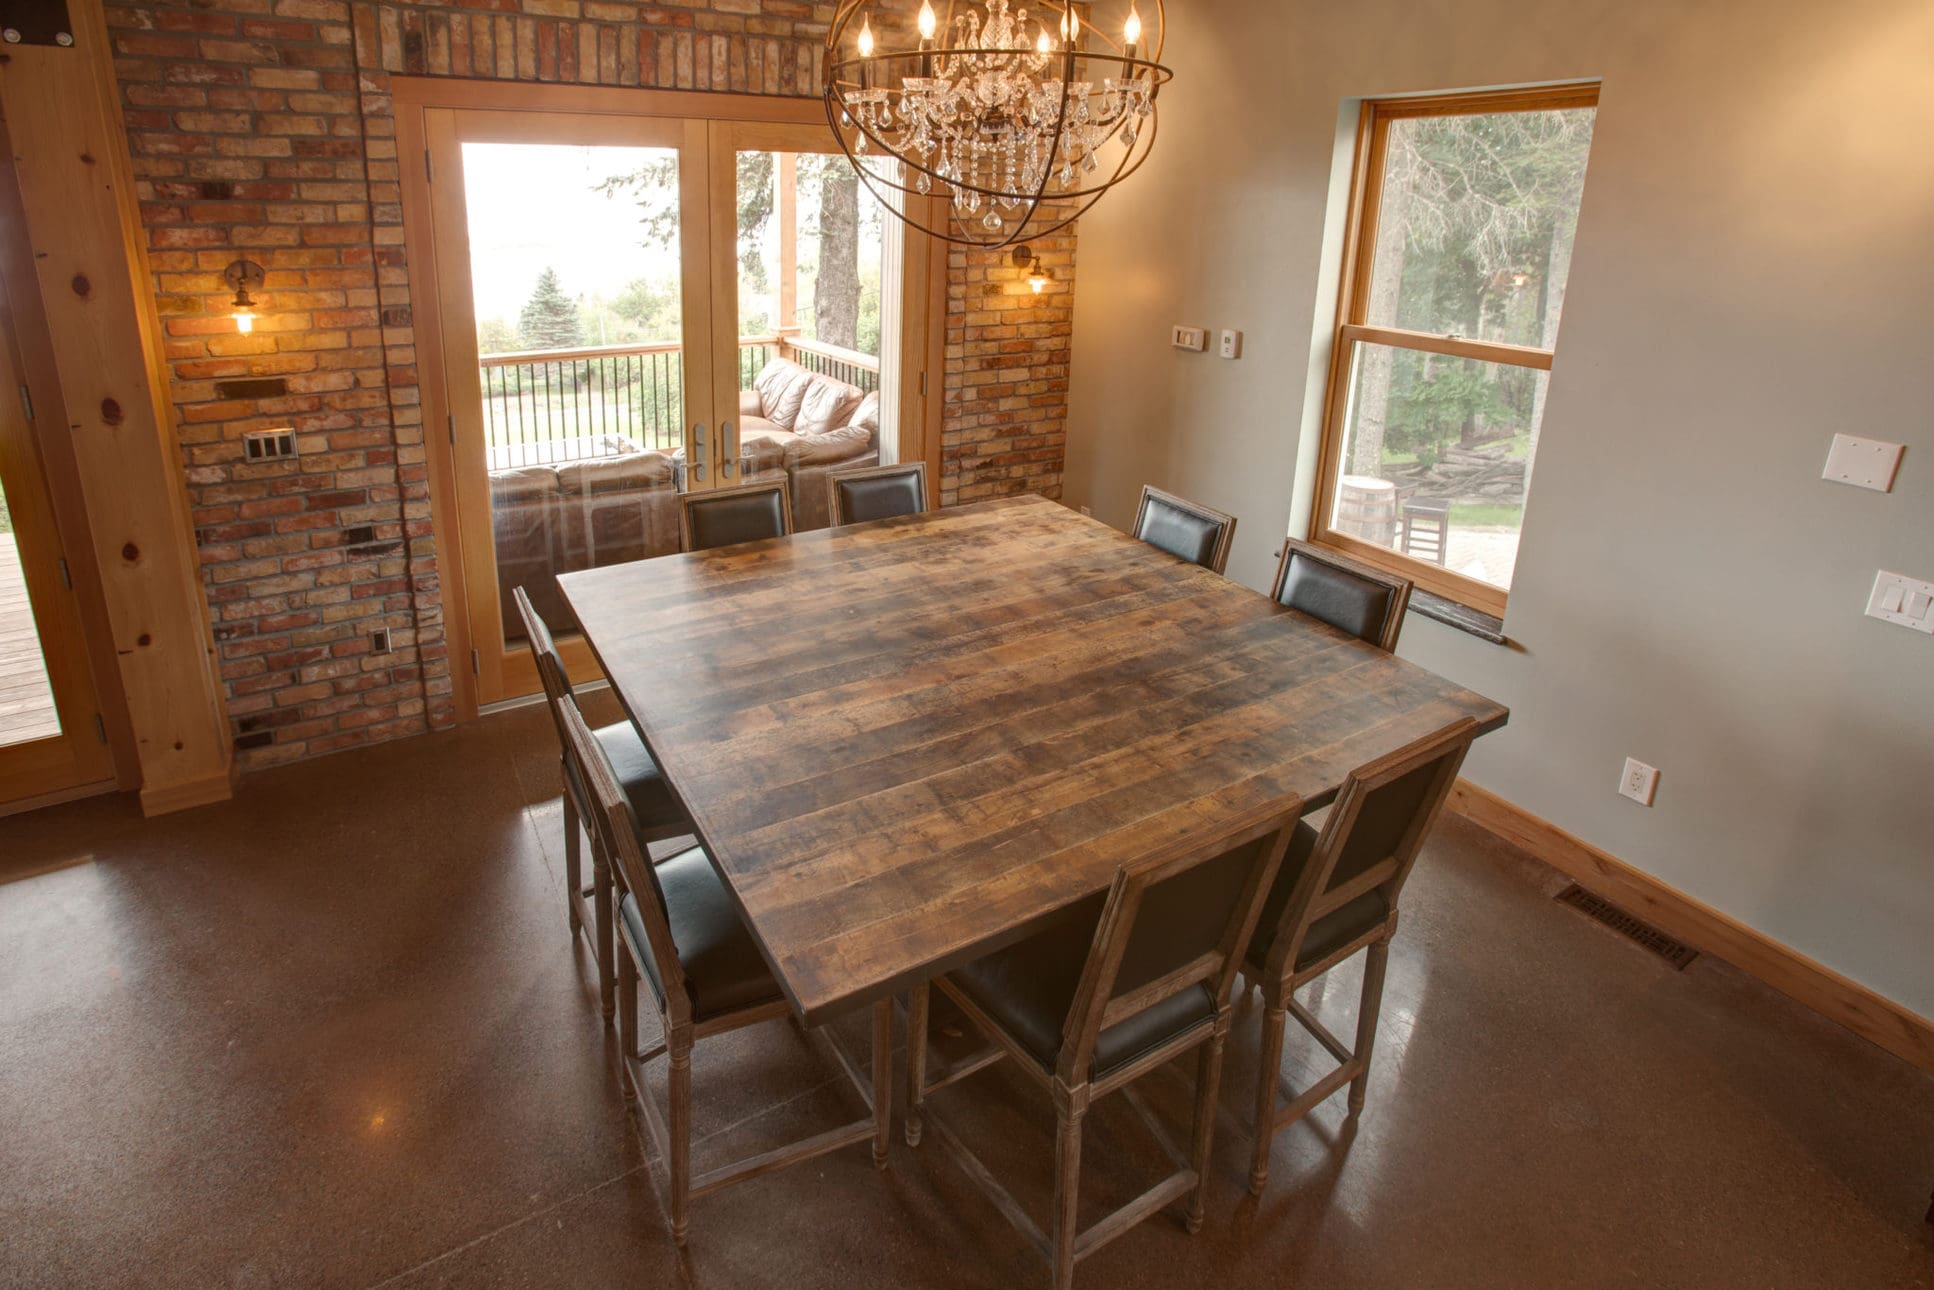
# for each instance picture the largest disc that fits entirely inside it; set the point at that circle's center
(615, 509)
(781, 385)
(828, 405)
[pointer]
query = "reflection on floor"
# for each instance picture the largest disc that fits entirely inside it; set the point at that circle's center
(26, 699)
(335, 1033)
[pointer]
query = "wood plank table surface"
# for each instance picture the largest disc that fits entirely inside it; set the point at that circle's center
(906, 743)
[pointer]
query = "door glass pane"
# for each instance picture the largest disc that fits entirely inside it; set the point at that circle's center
(1437, 457)
(818, 289)
(574, 271)
(1476, 221)
(26, 695)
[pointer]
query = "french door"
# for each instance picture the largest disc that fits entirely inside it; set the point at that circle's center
(597, 293)
(52, 740)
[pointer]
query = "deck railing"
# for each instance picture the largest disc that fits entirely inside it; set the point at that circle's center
(569, 404)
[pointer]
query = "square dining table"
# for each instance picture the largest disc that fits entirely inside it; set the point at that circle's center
(909, 742)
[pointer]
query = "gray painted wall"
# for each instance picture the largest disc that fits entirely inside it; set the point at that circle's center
(1754, 271)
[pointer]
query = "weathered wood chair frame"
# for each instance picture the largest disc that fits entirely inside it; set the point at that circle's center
(1399, 586)
(710, 496)
(1311, 899)
(670, 1131)
(1096, 1007)
(835, 502)
(1226, 539)
(596, 920)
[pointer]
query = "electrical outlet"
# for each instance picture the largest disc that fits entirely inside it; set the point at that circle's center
(1639, 782)
(379, 642)
(1230, 345)
(1192, 338)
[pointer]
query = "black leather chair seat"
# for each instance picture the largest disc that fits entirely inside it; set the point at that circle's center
(1327, 934)
(644, 787)
(1028, 988)
(880, 497)
(1181, 533)
(723, 967)
(1344, 601)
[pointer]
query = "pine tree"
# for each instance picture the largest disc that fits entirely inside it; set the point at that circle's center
(550, 318)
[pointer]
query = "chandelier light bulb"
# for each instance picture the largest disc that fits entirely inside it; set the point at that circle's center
(1043, 45)
(866, 38)
(1131, 31)
(927, 21)
(1068, 23)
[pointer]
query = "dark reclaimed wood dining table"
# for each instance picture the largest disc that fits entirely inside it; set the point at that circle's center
(909, 742)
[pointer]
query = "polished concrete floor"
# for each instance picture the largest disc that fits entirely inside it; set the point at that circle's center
(334, 1033)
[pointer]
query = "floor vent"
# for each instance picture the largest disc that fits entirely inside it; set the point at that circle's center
(1677, 953)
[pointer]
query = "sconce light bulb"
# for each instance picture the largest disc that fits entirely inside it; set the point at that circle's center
(1037, 281)
(1131, 30)
(244, 321)
(866, 38)
(927, 21)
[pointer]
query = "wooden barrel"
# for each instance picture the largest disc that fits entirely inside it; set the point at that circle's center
(1366, 507)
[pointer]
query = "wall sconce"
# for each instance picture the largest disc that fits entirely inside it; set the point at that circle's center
(242, 275)
(1039, 275)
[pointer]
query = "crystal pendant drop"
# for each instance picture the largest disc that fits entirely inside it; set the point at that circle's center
(924, 184)
(991, 222)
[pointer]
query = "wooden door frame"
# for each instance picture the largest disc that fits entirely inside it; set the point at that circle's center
(415, 99)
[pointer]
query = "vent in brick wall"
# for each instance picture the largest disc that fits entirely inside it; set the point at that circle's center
(1677, 953)
(268, 445)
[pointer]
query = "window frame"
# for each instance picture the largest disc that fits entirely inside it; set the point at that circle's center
(1352, 327)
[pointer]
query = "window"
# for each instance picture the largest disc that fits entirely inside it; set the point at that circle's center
(1463, 215)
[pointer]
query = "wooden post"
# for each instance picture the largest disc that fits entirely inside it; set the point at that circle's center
(77, 188)
(785, 209)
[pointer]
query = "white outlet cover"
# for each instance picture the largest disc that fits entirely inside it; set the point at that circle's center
(1864, 463)
(1638, 781)
(1903, 601)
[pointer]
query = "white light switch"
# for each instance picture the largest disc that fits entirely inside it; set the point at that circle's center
(1864, 463)
(1908, 602)
(1189, 338)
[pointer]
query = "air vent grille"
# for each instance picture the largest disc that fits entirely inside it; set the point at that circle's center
(1677, 953)
(268, 445)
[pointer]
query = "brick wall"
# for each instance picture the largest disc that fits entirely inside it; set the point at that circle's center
(263, 129)
(1005, 420)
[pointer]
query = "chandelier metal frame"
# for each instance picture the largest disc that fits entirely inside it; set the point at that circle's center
(865, 94)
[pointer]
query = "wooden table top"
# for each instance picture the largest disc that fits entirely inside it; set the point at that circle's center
(906, 743)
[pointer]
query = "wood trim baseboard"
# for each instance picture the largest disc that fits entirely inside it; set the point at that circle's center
(160, 799)
(1904, 1033)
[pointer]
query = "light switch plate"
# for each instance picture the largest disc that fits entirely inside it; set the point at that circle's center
(1904, 601)
(1189, 338)
(1864, 463)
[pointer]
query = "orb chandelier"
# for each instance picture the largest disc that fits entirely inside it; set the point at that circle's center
(1020, 125)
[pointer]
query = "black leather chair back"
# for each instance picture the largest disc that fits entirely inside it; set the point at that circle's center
(1184, 529)
(1367, 603)
(728, 516)
(878, 492)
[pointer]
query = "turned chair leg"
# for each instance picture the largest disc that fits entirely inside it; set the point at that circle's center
(882, 1079)
(679, 1129)
(601, 901)
(1067, 1193)
(1268, 1072)
(573, 865)
(1366, 1020)
(1208, 1081)
(917, 999)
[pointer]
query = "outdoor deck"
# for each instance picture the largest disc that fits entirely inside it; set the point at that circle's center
(26, 698)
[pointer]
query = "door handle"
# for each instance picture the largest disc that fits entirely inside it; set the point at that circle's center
(726, 462)
(695, 451)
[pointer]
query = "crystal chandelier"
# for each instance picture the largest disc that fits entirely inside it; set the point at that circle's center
(1019, 125)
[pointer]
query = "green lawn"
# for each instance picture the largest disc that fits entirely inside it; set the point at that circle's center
(1468, 514)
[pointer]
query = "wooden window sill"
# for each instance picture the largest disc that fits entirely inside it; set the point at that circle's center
(1465, 619)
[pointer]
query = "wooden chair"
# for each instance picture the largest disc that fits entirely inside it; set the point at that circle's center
(728, 516)
(877, 492)
(1115, 987)
(653, 804)
(1348, 595)
(1426, 528)
(1335, 894)
(1186, 529)
(682, 932)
